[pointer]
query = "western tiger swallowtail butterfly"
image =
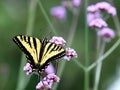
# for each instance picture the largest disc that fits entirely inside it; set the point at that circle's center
(39, 52)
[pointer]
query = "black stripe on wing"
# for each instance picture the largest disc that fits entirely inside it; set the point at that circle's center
(35, 44)
(44, 43)
(28, 38)
(21, 46)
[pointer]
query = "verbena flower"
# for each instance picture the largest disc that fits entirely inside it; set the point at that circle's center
(47, 82)
(103, 6)
(59, 12)
(70, 53)
(98, 23)
(66, 4)
(92, 16)
(92, 9)
(28, 69)
(76, 3)
(50, 69)
(112, 11)
(43, 84)
(107, 33)
(52, 77)
(106, 7)
(58, 40)
(95, 17)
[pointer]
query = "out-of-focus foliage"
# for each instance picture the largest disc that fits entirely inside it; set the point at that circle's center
(13, 21)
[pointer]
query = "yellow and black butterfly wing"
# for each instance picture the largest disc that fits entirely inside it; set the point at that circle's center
(50, 52)
(31, 47)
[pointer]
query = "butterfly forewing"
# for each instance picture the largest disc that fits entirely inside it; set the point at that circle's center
(30, 46)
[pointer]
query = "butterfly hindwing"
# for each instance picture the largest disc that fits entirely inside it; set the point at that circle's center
(51, 52)
(39, 52)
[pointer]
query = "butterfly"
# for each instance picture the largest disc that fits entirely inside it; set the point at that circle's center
(39, 52)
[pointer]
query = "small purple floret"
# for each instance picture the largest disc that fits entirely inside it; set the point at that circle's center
(70, 53)
(27, 68)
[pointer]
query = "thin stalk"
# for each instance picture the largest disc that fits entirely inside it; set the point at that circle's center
(46, 17)
(98, 45)
(117, 24)
(79, 64)
(72, 29)
(31, 17)
(86, 82)
(22, 78)
(69, 40)
(99, 67)
(86, 79)
(105, 55)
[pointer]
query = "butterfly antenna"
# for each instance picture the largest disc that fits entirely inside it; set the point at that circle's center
(48, 34)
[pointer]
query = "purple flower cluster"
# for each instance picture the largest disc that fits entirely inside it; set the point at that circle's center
(47, 82)
(107, 33)
(70, 53)
(98, 23)
(76, 3)
(95, 19)
(102, 6)
(58, 40)
(60, 13)
(28, 69)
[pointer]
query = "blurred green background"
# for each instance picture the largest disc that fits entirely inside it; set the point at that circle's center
(13, 21)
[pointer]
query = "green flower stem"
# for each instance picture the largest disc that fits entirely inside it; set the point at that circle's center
(99, 67)
(102, 58)
(98, 46)
(69, 40)
(46, 17)
(117, 24)
(72, 29)
(22, 78)
(86, 79)
(86, 82)
(79, 64)
(31, 17)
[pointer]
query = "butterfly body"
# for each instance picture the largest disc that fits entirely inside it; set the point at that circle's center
(39, 53)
